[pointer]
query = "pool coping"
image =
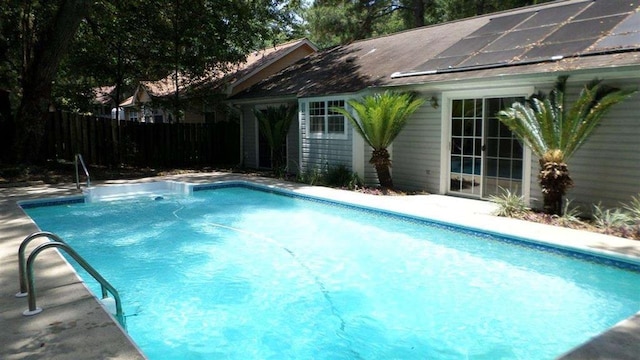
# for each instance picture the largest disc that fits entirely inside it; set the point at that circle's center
(83, 329)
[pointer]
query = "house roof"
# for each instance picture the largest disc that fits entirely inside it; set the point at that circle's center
(104, 95)
(232, 76)
(557, 36)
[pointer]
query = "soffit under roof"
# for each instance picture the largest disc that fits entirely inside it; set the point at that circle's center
(573, 29)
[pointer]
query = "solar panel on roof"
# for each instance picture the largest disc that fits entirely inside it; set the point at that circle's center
(630, 24)
(586, 29)
(551, 16)
(601, 8)
(547, 51)
(546, 34)
(622, 41)
(500, 24)
(491, 58)
(443, 63)
(519, 39)
(624, 36)
(468, 46)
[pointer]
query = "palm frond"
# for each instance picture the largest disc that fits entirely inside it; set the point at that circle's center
(546, 126)
(379, 118)
(274, 122)
(585, 115)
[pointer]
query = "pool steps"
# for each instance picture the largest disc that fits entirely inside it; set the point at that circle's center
(130, 191)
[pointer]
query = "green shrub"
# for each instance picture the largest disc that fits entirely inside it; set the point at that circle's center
(341, 176)
(311, 176)
(570, 214)
(509, 204)
(610, 219)
(634, 208)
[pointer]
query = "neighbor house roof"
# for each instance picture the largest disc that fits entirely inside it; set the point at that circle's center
(558, 36)
(104, 94)
(234, 75)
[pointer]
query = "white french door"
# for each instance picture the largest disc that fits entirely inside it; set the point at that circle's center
(484, 155)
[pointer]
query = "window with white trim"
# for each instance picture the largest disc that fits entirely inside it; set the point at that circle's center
(323, 120)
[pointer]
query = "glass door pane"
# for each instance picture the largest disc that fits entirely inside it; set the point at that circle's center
(466, 146)
(503, 165)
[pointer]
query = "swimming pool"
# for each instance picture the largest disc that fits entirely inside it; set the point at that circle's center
(242, 273)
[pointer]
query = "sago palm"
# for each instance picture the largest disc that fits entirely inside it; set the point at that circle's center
(380, 118)
(554, 132)
(273, 123)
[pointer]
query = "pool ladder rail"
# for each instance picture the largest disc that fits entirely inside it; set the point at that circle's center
(27, 280)
(78, 160)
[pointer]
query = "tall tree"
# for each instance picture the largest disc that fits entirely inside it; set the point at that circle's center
(457, 9)
(63, 41)
(205, 37)
(333, 22)
(113, 46)
(555, 132)
(41, 38)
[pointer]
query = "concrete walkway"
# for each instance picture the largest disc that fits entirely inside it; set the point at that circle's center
(74, 325)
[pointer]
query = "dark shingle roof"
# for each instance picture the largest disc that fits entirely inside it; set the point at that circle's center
(557, 36)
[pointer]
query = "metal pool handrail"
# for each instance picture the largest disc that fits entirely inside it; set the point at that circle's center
(78, 159)
(22, 268)
(105, 285)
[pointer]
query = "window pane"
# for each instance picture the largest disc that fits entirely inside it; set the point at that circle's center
(456, 164)
(336, 124)
(467, 146)
(316, 108)
(469, 108)
(335, 121)
(456, 127)
(505, 148)
(456, 108)
(316, 124)
(456, 145)
(468, 127)
(332, 104)
(516, 169)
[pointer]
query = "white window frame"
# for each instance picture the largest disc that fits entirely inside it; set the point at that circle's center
(325, 134)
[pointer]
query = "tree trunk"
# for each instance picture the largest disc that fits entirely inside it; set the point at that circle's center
(6, 127)
(41, 59)
(418, 12)
(554, 181)
(384, 176)
(381, 161)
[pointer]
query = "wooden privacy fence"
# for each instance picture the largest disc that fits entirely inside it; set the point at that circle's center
(110, 143)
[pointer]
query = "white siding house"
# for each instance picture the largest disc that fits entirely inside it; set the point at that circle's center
(467, 71)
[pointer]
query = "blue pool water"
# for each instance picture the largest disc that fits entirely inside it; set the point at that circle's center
(238, 273)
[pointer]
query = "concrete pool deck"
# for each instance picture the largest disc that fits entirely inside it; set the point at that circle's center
(74, 325)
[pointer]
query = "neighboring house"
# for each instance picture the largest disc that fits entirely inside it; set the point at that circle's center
(104, 101)
(151, 99)
(468, 70)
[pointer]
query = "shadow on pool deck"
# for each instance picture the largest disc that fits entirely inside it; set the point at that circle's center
(74, 325)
